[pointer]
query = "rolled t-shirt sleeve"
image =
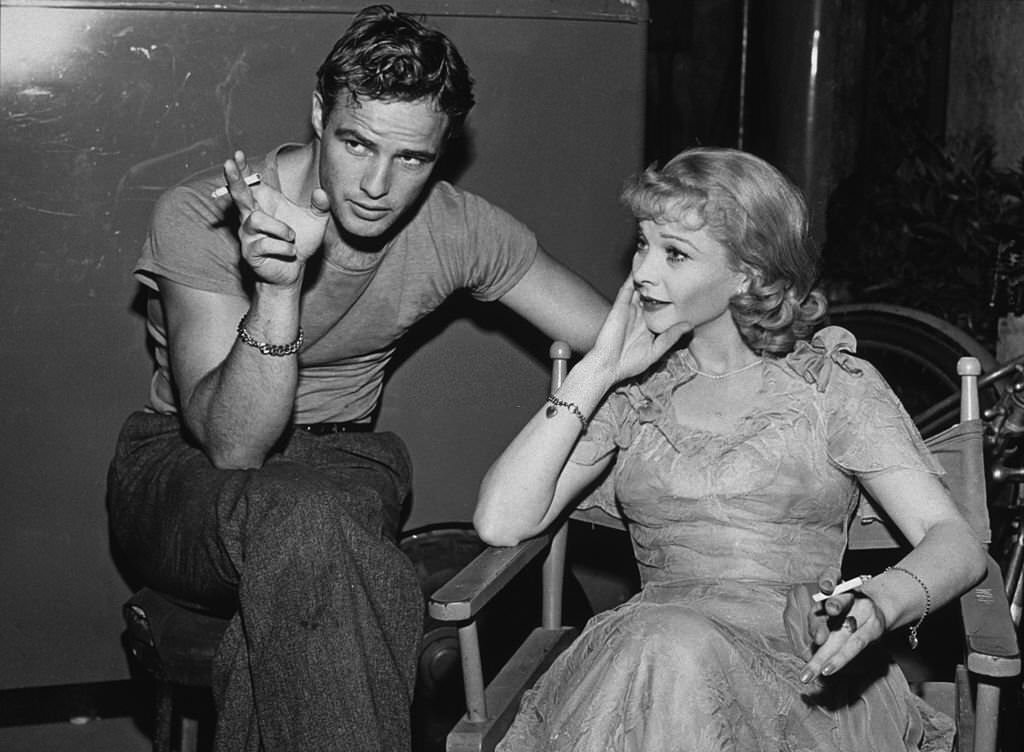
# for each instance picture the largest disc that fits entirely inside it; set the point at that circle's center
(490, 252)
(192, 241)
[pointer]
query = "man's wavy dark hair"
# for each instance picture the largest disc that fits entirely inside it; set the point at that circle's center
(392, 56)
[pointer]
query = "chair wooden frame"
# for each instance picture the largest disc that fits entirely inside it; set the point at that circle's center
(175, 645)
(991, 653)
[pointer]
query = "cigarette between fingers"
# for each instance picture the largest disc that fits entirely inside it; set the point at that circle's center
(250, 180)
(842, 587)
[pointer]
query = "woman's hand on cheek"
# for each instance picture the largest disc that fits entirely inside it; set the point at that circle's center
(625, 344)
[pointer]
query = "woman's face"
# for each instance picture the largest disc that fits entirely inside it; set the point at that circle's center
(683, 275)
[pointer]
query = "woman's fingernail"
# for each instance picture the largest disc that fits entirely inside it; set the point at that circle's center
(829, 668)
(806, 676)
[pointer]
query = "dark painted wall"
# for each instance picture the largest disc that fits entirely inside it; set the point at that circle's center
(104, 105)
(986, 88)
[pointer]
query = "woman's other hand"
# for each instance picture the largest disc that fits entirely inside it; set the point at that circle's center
(838, 628)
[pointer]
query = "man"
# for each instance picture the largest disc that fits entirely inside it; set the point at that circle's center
(254, 481)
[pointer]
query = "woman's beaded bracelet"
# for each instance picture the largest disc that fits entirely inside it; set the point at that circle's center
(912, 637)
(555, 403)
(265, 348)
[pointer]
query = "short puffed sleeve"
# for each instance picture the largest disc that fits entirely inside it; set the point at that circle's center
(867, 428)
(611, 428)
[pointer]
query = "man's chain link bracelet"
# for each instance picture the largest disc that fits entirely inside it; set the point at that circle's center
(265, 348)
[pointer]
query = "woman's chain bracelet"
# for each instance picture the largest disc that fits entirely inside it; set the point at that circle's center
(555, 403)
(912, 637)
(265, 348)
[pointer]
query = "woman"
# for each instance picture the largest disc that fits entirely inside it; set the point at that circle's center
(735, 441)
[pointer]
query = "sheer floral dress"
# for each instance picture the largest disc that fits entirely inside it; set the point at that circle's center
(722, 526)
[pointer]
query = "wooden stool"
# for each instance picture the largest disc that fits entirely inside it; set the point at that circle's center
(175, 644)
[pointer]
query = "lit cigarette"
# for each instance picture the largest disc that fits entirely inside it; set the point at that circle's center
(842, 587)
(250, 180)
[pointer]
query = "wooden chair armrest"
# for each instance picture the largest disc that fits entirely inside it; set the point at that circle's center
(597, 516)
(462, 597)
(992, 649)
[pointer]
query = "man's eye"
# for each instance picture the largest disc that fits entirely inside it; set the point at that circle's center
(413, 162)
(357, 147)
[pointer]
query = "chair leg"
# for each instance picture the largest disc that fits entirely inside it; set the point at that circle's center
(164, 717)
(189, 734)
(472, 672)
(987, 717)
(963, 711)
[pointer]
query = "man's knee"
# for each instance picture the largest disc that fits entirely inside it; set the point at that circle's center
(287, 499)
(315, 540)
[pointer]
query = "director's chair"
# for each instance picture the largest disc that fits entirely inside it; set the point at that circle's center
(987, 657)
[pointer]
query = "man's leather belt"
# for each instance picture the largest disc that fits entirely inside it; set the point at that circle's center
(323, 429)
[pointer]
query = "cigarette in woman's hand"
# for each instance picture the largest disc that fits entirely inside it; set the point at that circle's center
(250, 180)
(842, 587)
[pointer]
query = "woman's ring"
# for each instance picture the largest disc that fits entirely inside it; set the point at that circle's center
(850, 622)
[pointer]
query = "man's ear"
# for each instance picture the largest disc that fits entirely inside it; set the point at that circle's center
(317, 115)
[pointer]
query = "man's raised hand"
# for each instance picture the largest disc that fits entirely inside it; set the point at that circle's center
(277, 235)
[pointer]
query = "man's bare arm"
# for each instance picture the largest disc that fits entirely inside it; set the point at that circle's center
(559, 303)
(235, 400)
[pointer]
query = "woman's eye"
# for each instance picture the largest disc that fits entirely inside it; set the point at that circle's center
(676, 255)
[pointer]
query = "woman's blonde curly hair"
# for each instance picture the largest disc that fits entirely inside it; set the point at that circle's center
(761, 218)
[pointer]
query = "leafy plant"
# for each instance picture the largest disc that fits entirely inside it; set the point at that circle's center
(944, 233)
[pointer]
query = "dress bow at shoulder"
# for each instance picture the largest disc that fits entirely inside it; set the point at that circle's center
(814, 361)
